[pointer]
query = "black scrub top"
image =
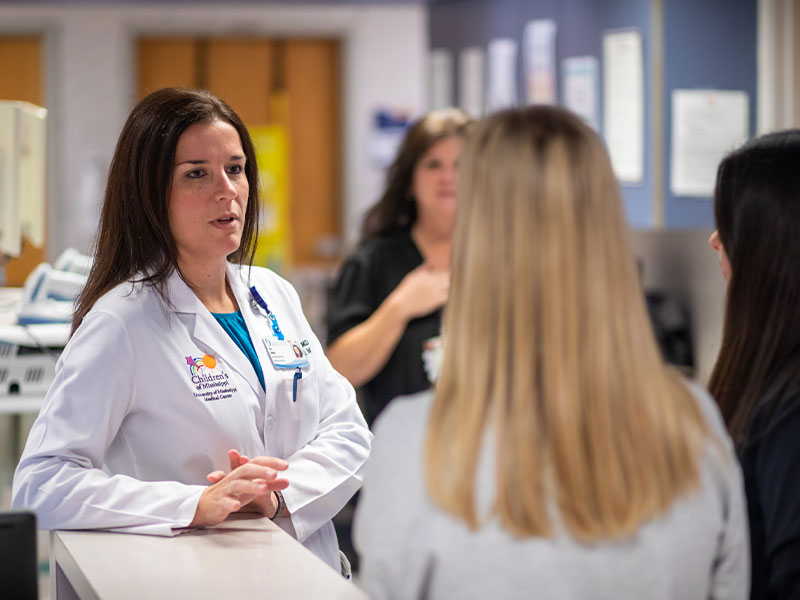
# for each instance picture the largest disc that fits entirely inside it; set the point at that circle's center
(365, 280)
(770, 465)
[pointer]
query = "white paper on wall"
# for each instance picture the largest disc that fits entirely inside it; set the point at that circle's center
(470, 80)
(502, 85)
(623, 103)
(579, 76)
(539, 47)
(440, 79)
(706, 125)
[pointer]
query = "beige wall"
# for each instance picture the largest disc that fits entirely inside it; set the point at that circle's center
(682, 263)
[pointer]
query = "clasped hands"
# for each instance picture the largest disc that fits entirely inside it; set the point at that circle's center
(247, 487)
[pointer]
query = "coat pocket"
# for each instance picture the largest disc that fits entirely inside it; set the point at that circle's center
(298, 414)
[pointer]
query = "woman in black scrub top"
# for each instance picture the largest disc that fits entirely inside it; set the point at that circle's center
(388, 296)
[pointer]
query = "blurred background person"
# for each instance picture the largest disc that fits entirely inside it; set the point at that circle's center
(388, 295)
(558, 456)
(756, 380)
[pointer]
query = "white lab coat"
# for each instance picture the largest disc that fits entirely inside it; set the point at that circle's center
(125, 437)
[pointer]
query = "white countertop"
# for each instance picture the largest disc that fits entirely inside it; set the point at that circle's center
(245, 557)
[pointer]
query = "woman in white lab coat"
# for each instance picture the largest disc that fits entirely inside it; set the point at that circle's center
(180, 398)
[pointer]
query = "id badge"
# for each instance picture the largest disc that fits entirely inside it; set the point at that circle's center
(285, 354)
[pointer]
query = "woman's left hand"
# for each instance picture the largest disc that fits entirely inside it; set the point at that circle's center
(266, 504)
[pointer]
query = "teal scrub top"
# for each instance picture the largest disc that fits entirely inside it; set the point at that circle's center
(233, 323)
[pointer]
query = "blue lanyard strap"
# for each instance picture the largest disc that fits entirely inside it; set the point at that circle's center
(276, 330)
(275, 327)
(298, 375)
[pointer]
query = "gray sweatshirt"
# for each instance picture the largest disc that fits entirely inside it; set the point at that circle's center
(411, 549)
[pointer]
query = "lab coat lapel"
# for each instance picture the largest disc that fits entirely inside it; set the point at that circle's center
(253, 317)
(205, 330)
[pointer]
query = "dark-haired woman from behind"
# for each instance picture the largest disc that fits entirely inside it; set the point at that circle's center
(756, 380)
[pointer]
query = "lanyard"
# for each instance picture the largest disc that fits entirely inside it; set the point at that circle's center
(298, 375)
(257, 300)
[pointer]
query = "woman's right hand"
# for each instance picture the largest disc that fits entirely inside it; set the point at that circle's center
(258, 477)
(421, 291)
(360, 353)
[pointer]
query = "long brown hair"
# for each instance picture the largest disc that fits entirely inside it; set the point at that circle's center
(757, 211)
(396, 209)
(134, 239)
(548, 343)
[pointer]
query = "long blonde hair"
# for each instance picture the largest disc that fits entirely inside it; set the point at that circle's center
(548, 343)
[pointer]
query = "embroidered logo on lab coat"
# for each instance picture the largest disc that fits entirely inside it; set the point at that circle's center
(201, 362)
(209, 379)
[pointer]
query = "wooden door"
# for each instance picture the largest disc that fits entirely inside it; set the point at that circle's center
(312, 84)
(166, 62)
(21, 66)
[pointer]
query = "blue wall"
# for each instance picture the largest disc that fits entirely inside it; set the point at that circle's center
(460, 23)
(707, 44)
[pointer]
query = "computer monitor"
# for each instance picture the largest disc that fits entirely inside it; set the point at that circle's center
(10, 228)
(18, 567)
(22, 175)
(33, 151)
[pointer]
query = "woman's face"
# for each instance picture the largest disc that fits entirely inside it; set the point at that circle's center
(434, 183)
(724, 263)
(209, 192)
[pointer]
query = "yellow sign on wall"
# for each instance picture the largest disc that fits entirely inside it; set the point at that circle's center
(272, 154)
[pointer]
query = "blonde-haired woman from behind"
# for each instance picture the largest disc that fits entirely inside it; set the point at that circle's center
(558, 457)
